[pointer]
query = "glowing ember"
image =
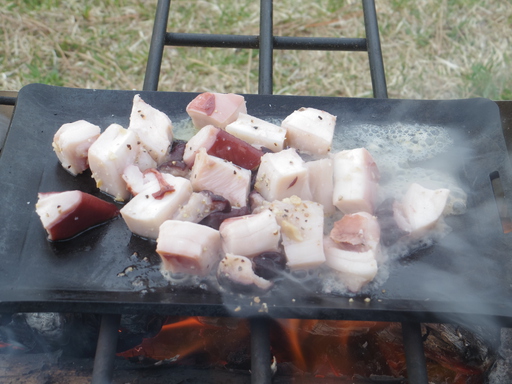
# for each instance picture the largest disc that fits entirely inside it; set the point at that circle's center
(321, 348)
(195, 339)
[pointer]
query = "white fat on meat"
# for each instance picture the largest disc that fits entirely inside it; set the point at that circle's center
(71, 144)
(310, 131)
(281, 175)
(420, 209)
(198, 206)
(250, 235)
(356, 179)
(218, 109)
(302, 231)
(204, 138)
(257, 132)
(321, 183)
(221, 177)
(157, 202)
(236, 271)
(153, 127)
(352, 249)
(109, 155)
(144, 160)
(354, 269)
(189, 248)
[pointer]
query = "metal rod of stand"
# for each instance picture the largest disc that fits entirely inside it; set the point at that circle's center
(260, 351)
(103, 369)
(266, 48)
(374, 50)
(7, 100)
(414, 353)
(253, 42)
(156, 48)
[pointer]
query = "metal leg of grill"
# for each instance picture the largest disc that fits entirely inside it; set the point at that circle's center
(374, 50)
(414, 353)
(156, 48)
(103, 369)
(266, 48)
(260, 351)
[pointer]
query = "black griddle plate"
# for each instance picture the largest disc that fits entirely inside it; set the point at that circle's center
(465, 275)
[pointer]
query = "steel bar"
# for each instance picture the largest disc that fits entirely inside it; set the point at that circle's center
(320, 43)
(266, 48)
(260, 351)
(414, 353)
(156, 48)
(374, 50)
(253, 42)
(7, 100)
(103, 369)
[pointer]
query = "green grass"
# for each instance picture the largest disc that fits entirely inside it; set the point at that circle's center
(432, 49)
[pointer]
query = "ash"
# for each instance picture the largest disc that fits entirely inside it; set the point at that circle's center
(501, 372)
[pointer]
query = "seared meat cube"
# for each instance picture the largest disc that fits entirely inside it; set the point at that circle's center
(250, 235)
(310, 131)
(282, 174)
(355, 181)
(71, 144)
(186, 247)
(257, 132)
(66, 214)
(218, 109)
(221, 177)
(154, 129)
(109, 155)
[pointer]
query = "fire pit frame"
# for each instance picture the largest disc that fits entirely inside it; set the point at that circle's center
(266, 42)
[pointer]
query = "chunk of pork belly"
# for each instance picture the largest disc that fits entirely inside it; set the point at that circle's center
(153, 127)
(310, 131)
(355, 269)
(250, 235)
(356, 179)
(281, 175)
(420, 209)
(236, 273)
(204, 138)
(357, 232)
(221, 177)
(109, 155)
(186, 247)
(66, 214)
(157, 202)
(302, 226)
(257, 132)
(218, 109)
(321, 183)
(71, 144)
(221, 144)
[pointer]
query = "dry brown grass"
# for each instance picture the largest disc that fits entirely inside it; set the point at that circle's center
(433, 49)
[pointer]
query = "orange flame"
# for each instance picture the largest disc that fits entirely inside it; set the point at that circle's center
(179, 339)
(322, 348)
